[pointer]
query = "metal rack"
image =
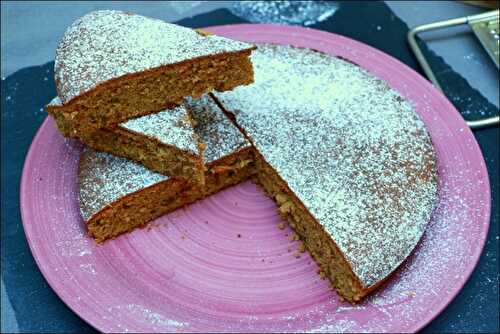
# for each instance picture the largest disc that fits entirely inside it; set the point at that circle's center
(485, 27)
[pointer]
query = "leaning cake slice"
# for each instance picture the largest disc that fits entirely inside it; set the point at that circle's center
(164, 142)
(118, 195)
(111, 66)
(345, 157)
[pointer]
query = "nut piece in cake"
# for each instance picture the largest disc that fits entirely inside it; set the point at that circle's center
(111, 66)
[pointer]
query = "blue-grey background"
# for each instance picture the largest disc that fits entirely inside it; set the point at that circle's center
(31, 30)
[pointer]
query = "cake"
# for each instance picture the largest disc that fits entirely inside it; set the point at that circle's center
(112, 66)
(165, 142)
(118, 195)
(348, 161)
(346, 158)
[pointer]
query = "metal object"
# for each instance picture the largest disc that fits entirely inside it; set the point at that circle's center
(487, 32)
(485, 27)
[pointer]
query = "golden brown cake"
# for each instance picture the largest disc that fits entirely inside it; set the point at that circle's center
(111, 66)
(345, 157)
(118, 195)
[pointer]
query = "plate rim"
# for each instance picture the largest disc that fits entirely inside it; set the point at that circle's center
(272, 29)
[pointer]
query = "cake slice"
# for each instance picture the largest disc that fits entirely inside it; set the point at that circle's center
(164, 142)
(348, 161)
(118, 195)
(111, 66)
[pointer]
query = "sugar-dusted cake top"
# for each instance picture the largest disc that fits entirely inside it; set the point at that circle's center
(104, 178)
(172, 127)
(108, 44)
(219, 134)
(351, 149)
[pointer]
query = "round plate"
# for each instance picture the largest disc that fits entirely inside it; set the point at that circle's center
(222, 264)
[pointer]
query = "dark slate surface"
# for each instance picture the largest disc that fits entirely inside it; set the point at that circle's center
(24, 93)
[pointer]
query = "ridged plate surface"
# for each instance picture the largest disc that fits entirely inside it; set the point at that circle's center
(223, 264)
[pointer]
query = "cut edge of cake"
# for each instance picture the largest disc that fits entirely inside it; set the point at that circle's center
(137, 208)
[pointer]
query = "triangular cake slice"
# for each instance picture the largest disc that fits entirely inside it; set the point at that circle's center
(173, 142)
(118, 195)
(346, 158)
(111, 66)
(164, 142)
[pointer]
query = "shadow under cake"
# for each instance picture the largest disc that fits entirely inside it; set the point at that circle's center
(111, 66)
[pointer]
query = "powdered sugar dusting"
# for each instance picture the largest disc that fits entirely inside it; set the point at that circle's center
(105, 178)
(350, 148)
(148, 316)
(172, 127)
(215, 130)
(56, 101)
(107, 44)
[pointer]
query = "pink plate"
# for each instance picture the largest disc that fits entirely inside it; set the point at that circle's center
(222, 264)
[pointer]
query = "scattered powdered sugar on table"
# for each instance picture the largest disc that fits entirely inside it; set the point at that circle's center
(285, 12)
(108, 44)
(172, 127)
(350, 148)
